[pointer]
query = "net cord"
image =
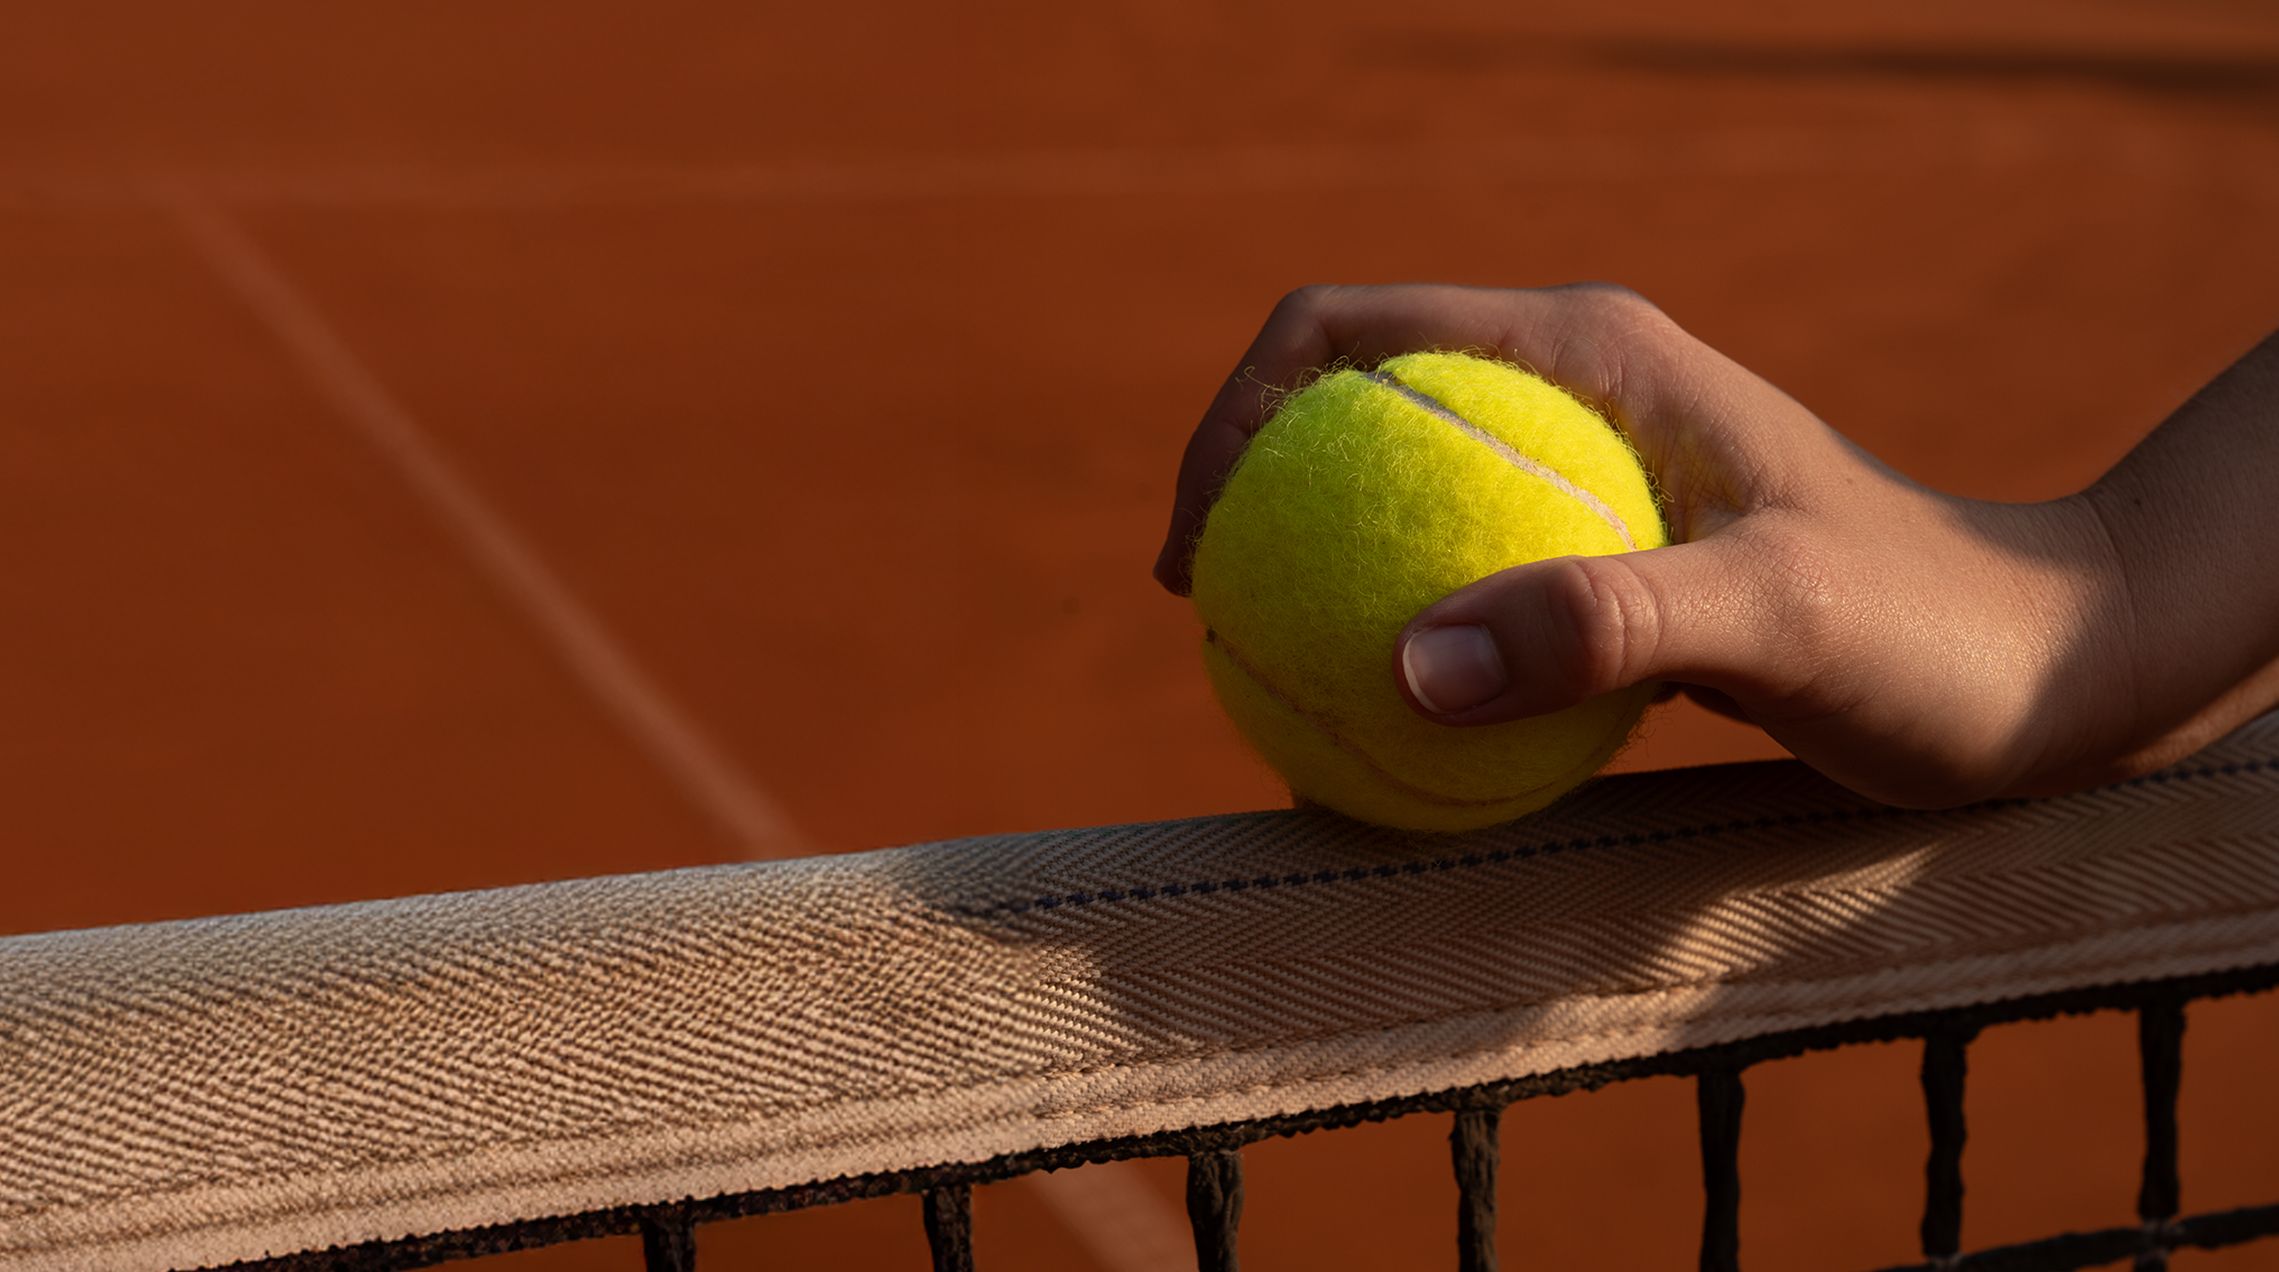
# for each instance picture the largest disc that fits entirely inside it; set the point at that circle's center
(1215, 1181)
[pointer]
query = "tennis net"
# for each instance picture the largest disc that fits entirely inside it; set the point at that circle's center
(398, 1083)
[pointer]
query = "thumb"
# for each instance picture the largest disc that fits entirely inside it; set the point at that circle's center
(1548, 635)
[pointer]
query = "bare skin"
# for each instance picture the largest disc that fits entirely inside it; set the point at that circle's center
(1922, 649)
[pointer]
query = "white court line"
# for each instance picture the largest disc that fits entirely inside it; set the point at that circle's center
(1125, 1225)
(592, 655)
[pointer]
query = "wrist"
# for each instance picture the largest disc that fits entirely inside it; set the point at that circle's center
(2087, 618)
(2105, 625)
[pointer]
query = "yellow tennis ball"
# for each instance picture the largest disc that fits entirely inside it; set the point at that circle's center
(1368, 496)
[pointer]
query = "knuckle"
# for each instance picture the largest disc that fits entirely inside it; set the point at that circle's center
(1613, 301)
(1615, 337)
(1606, 625)
(1301, 301)
(1640, 328)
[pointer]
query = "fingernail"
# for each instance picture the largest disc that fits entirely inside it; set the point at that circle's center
(1453, 669)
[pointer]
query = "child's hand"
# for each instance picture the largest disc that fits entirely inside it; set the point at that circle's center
(1920, 648)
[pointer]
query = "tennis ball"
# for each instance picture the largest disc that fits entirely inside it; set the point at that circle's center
(1368, 496)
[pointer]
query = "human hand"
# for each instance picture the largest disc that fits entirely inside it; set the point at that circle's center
(1923, 649)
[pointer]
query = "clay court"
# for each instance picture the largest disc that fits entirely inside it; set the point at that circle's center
(444, 447)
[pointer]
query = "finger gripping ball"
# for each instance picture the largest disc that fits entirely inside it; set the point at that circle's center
(1368, 496)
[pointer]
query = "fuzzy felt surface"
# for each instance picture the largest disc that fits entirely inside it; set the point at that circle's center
(1368, 496)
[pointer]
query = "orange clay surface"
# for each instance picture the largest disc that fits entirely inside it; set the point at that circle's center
(450, 445)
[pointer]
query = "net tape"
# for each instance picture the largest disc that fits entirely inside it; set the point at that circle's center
(644, 1052)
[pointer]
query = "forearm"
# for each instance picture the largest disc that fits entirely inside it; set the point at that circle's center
(2192, 517)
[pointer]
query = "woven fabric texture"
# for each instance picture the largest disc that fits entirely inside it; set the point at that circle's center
(184, 1094)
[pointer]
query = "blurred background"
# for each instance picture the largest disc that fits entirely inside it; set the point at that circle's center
(450, 445)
